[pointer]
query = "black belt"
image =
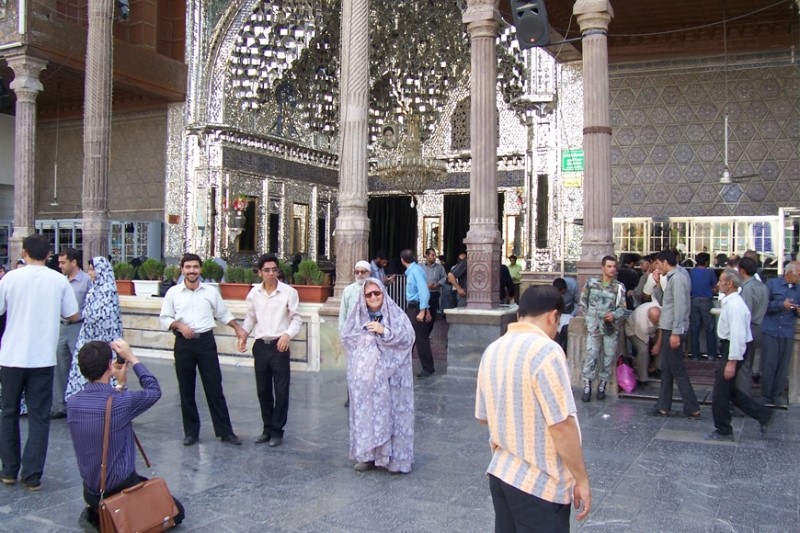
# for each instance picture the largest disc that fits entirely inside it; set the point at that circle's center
(209, 333)
(409, 304)
(268, 342)
(68, 323)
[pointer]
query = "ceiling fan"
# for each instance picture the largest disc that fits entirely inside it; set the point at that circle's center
(726, 177)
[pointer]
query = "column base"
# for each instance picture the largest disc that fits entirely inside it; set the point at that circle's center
(470, 332)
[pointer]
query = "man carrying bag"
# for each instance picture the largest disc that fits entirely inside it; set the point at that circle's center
(100, 420)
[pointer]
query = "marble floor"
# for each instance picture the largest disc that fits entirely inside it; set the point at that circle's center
(647, 474)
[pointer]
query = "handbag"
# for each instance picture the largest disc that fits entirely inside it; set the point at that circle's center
(145, 507)
(626, 376)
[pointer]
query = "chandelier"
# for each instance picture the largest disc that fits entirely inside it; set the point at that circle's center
(287, 53)
(406, 170)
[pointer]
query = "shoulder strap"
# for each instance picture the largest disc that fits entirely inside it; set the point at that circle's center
(104, 459)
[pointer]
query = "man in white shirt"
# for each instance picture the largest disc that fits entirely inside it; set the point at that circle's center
(273, 320)
(733, 330)
(189, 311)
(35, 298)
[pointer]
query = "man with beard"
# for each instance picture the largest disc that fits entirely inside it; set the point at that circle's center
(189, 311)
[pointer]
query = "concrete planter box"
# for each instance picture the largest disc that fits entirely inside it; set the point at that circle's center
(146, 287)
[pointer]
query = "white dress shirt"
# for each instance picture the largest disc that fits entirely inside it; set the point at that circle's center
(734, 325)
(270, 315)
(196, 308)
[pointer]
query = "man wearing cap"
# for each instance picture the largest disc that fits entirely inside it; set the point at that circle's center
(515, 269)
(350, 297)
(350, 293)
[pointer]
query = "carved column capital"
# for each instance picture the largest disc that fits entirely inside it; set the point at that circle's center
(480, 11)
(593, 14)
(26, 84)
(484, 28)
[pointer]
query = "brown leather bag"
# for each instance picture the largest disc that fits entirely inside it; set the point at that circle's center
(146, 507)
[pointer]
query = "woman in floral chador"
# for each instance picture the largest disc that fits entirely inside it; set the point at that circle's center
(378, 338)
(101, 318)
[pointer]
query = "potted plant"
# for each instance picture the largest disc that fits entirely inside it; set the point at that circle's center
(171, 273)
(212, 272)
(123, 274)
(238, 282)
(309, 281)
(150, 271)
(286, 270)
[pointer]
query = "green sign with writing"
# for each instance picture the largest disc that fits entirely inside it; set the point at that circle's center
(572, 160)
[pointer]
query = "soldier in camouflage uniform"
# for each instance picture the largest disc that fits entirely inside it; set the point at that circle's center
(603, 305)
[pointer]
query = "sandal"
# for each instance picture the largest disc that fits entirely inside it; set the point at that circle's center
(694, 416)
(655, 411)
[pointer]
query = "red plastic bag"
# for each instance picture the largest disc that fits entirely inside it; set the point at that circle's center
(626, 376)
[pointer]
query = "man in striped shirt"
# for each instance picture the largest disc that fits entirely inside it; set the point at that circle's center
(525, 397)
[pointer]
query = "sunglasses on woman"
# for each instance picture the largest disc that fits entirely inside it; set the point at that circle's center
(372, 294)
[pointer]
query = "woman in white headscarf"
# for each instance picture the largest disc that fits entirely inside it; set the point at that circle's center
(101, 317)
(379, 338)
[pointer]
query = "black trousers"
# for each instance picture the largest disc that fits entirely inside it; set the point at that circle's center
(518, 511)
(673, 370)
(434, 308)
(191, 355)
(422, 342)
(37, 384)
(93, 500)
(726, 391)
(273, 373)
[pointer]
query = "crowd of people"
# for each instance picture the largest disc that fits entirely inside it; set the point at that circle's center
(668, 312)
(77, 314)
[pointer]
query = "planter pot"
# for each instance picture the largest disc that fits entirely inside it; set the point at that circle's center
(125, 287)
(313, 293)
(146, 287)
(234, 291)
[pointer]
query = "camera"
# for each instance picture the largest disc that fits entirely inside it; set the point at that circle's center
(120, 360)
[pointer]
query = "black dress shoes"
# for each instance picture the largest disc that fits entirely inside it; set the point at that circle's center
(232, 439)
(425, 374)
(264, 437)
(274, 442)
(191, 440)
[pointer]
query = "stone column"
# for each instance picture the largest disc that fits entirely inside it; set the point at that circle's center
(97, 128)
(26, 87)
(593, 17)
(352, 223)
(483, 238)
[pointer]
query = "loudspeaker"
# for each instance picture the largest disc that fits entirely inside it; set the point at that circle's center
(530, 20)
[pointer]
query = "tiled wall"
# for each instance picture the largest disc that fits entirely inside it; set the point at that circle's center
(667, 147)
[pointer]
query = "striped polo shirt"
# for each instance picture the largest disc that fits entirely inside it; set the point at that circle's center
(524, 387)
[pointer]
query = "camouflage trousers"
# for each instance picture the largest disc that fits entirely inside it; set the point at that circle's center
(597, 342)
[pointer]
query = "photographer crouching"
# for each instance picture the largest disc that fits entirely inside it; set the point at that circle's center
(86, 414)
